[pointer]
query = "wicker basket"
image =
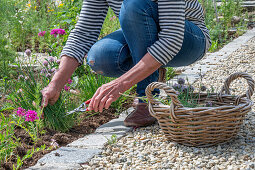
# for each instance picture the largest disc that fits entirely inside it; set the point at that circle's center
(202, 126)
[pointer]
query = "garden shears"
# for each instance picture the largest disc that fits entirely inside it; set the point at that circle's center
(81, 108)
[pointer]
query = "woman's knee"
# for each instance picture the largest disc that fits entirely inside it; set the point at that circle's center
(95, 57)
(104, 57)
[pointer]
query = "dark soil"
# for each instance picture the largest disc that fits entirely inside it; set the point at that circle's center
(85, 126)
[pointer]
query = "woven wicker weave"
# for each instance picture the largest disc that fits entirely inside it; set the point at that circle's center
(202, 126)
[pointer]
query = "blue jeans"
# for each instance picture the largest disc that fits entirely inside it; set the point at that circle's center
(119, 51)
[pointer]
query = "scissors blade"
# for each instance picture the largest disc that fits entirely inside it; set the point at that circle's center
(81, 108)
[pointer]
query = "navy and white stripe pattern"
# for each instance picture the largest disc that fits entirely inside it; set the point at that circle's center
(172, 15)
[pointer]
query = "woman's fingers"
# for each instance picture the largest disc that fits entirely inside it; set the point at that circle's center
(91, 104)
(104, 96)
(99, 96)
(52, 101)
(109, 102)
(102, 103)
(44, 100)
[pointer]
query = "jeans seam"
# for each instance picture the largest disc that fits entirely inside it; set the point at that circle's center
(118, 62)
(146, 11)
(201, 56)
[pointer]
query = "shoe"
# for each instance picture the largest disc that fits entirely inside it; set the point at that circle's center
(140, 117)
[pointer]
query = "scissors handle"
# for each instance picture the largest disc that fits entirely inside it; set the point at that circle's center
(88, 101)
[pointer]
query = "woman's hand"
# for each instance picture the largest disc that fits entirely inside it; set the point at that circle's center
(50, 95)
(110, 92)
(106, 94)
(52, 91)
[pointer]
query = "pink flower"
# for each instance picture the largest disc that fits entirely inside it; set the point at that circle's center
(43, 71)
(20, 112)
(31, 115)
(66, 88)
(113, 18)
(45, 63)
(53, 70)
(54, 143)
(41, 33)
(48, 75)
(51, 59)
(55, 32)
(69, 81)
(21, 77)
(58, 61)
(20, 91)
(28, 52)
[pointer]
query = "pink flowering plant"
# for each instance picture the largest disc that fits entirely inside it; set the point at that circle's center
(57, 32)
(27, 101)
(53, 40)
(58, 37)
(49, 67)
(29, 121)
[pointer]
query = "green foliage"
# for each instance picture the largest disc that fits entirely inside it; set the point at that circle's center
(28, 155)
(27, 94)
(112, 140)
(6, 50)
(170, 73)
(110, 25)
(90, 82)
(219, 30)
(7, 139)
(54, 116)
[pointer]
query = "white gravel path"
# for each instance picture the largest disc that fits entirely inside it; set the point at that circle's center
(147, 148)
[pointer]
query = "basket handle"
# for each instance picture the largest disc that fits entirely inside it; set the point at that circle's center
(234, 76)
(169, 91)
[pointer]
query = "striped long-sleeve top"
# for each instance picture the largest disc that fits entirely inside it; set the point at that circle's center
(172, 15)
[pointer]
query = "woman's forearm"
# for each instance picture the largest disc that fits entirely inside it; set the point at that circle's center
(66, 68)
(145, 67)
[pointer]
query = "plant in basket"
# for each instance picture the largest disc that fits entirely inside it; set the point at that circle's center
(216, 117)
(188, 95)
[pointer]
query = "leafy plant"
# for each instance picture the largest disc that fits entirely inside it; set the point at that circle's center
(112, 140)
(55, 116)
(7, 139)
(29, 154)
(170, 73)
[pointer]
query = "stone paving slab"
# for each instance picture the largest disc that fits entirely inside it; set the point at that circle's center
(83, 149)
(69, 155)
(52, 166)
(103, 134)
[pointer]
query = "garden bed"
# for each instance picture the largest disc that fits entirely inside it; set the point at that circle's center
(54, 139)
(23, 141)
